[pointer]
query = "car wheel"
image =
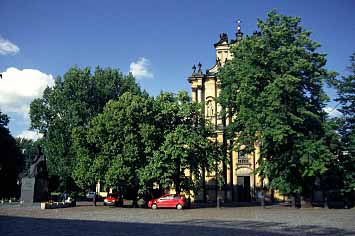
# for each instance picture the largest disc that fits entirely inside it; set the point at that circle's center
(104, 204)
(154, 206)
(178, 206)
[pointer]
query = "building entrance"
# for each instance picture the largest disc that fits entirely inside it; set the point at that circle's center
(243, 189)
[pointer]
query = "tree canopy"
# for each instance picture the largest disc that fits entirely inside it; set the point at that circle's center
(184, 145)
(138, 141)
(72, 103)
(346, 156)
(273, 88)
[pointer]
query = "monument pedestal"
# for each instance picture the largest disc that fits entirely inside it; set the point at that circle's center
(27, 189)
(34, 190)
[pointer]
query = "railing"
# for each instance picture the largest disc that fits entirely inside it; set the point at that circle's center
(243, 161)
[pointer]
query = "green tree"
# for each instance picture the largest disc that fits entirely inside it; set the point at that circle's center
(346, 156)
(185, 144)
(9, 160)
(273, 88)
(72, 103)
(117, 144)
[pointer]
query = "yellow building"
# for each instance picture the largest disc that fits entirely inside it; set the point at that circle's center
(241, 183)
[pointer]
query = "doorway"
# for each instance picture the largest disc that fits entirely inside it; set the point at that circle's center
(243, 189)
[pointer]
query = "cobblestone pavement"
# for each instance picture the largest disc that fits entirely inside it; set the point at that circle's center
(243, 221)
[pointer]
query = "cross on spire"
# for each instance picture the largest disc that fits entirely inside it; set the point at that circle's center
(238, 25)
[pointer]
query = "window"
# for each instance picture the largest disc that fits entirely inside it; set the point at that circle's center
(168, 197)
(243, 157)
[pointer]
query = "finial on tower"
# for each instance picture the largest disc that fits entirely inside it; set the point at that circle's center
(199, 69)
(194, 70)
(239, 33)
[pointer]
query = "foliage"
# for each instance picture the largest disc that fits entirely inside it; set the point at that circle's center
(185, 148)
(9, 160)
(138, 141)
(273, 87)
(72, 103)
(346, 156)
(118, 142)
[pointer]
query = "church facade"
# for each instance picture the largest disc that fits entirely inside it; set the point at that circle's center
(241, 184)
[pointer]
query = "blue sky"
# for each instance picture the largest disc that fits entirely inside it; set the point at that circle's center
(171, 36)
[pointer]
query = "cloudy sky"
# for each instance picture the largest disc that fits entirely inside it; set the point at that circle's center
(158, 41)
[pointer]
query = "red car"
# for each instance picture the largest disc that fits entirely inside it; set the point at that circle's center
(168, 201)
(111, 200)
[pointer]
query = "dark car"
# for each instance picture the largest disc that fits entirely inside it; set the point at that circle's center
(168, 201)
(112, 200)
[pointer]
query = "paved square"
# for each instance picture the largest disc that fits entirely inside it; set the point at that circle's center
(244, 221)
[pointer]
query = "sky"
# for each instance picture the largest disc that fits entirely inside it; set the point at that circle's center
(157, 40)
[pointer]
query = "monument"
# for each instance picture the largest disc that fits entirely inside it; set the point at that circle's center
(34, 187)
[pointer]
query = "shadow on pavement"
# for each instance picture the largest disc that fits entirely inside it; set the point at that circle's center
(271, 228)
(17, 226)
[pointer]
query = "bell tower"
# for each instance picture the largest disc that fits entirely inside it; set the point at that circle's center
(238, 171)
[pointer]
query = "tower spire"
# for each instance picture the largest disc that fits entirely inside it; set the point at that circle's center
(238, 25)
(239, 33)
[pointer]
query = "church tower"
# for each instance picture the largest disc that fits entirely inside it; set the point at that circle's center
(240, 182)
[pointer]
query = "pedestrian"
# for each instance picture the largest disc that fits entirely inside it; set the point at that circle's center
(94, 199)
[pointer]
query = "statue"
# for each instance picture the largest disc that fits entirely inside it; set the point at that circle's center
(194, 70)
(38, 166)
(218, 62)
(210, 110)
(223, 37)
(35, 186)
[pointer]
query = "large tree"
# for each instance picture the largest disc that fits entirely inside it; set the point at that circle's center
(346, 155)
(185, 147)
(117, 144)
(73, 101)
(138, 141)
(273, 88)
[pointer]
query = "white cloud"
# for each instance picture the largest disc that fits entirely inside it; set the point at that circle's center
(332, 112)
(28, 134)
(6, 47)
(17, 90)
(19, 87)
(141, 68)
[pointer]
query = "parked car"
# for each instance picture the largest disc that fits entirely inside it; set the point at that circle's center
(112, 200)
(168, 201)
(90, 195)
